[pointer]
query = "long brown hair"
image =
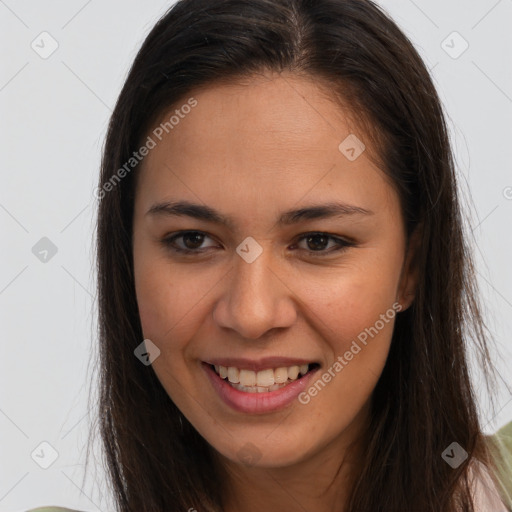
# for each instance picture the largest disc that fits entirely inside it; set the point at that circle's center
(424, 399)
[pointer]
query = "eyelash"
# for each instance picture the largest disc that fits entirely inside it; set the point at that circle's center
(342, 244)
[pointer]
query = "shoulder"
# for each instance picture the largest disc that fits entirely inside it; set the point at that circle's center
(500, 446)
(486, 495)
(503, 439)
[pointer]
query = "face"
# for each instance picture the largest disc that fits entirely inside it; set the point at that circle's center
(263, 291)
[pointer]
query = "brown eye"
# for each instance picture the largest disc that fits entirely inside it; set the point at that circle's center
(318, 242)
(191, 241)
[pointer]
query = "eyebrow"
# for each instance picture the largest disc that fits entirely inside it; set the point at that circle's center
(206, 213)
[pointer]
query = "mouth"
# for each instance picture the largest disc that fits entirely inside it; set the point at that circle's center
(266, 390)
(263, 381)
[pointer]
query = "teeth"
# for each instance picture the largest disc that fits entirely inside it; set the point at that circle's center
(257, 389)
(247, 377)
(280, 375)
(262, 381)
(233, 375)
(293, 372)
(265, 378)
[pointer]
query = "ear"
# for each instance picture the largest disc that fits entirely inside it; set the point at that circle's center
(410, 270)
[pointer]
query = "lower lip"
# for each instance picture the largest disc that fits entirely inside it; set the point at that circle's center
(258, 403)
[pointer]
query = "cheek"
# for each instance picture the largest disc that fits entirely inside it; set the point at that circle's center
(355, 313)
(166, 306)
(351, 300)
(171, 300)
(151, 298)
(158, 296)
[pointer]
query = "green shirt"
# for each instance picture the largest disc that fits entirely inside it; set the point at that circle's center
(500, 445)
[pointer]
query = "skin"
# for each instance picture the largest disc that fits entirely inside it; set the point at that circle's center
(252, 151)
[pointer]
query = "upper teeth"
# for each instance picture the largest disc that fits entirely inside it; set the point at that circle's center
(263, 378)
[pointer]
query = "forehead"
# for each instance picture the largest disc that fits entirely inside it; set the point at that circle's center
(260, 141)
(270, 112)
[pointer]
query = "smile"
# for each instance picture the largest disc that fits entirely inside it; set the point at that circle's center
(262, 381)
(259, 391)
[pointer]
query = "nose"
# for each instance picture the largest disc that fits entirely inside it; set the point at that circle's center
(256, 298)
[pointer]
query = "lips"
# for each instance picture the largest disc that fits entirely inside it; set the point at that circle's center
(257, 399)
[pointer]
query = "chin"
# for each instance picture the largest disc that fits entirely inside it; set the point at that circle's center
(264, 450)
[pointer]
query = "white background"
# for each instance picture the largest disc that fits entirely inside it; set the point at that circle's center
(54, 114)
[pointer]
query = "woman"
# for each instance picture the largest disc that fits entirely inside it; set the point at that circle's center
(285, 290)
